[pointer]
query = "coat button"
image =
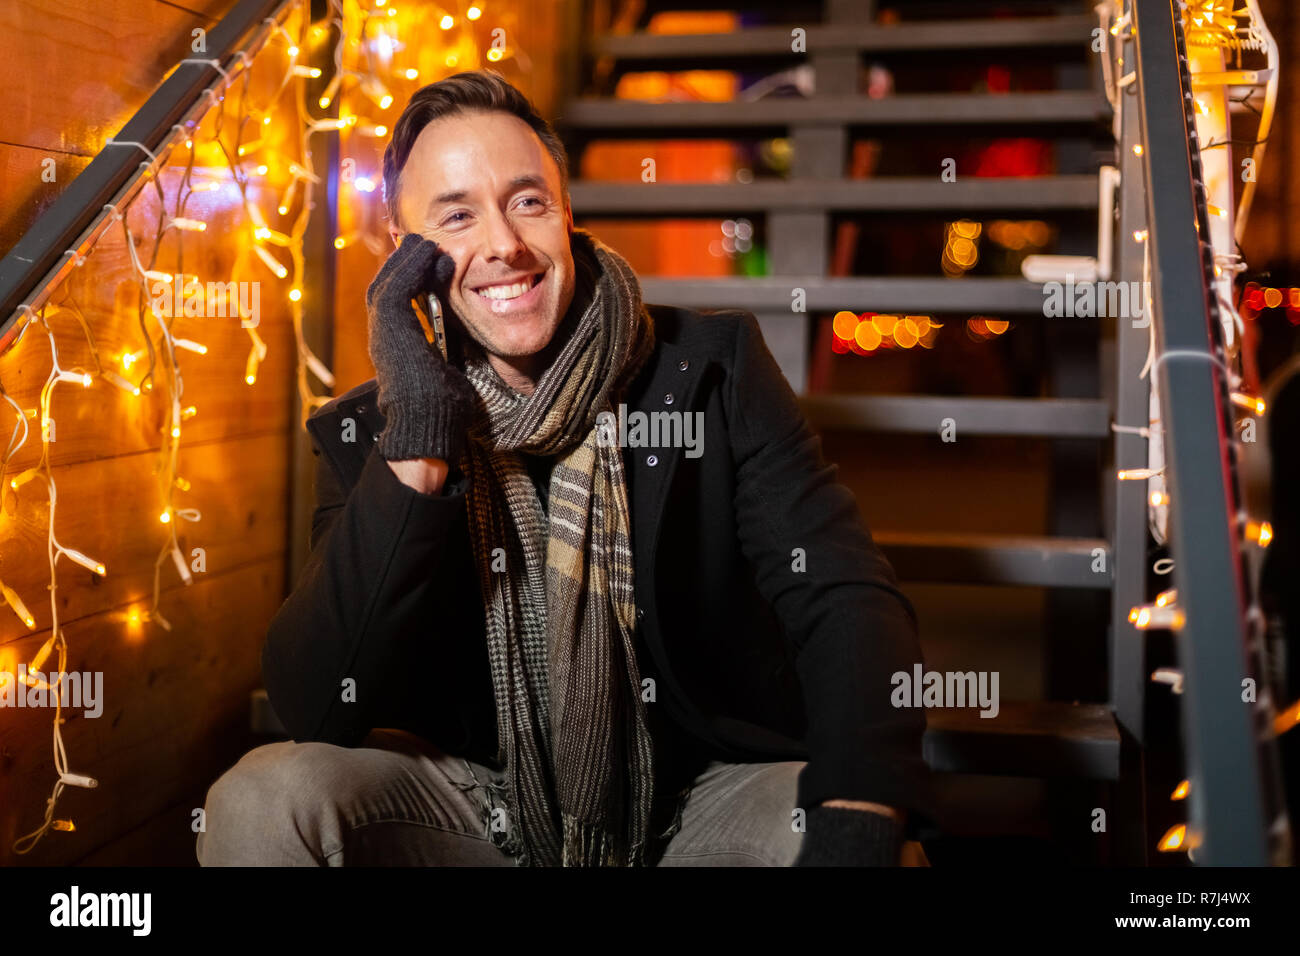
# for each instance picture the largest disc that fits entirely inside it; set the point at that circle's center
(640, 614)
(668, 399)
(375, 438)
(652, 460)
(361, 409)
(683, 365)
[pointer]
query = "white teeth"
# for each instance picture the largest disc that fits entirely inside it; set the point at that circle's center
(506, 291)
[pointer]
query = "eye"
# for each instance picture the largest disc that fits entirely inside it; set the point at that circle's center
(535, 200)
(452, 220)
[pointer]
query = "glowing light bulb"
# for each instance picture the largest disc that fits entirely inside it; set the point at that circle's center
(14, 601)
(271, 263)
(473, 13)
(1139, 235)
(1173, 839)
(84, 561)
(1260, 532)
(190, 225)
(1256, 405)
(295, 295)
(1137, 149)
(412, 74)
(165, 517)
(1181, 790)
(447, 22)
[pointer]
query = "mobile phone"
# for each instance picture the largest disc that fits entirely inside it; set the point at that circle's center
(436, 323)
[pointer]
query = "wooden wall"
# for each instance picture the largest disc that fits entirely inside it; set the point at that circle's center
(175, 703)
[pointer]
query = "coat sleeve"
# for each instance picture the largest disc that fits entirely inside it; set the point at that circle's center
(849, 625)
(362, 606)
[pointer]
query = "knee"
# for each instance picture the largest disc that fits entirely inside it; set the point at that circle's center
(259, 796)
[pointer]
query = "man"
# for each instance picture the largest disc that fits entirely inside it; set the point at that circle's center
(524, 634)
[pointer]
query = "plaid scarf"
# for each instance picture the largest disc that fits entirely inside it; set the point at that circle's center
(560, 608)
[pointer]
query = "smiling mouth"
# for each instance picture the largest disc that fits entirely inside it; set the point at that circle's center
(507, 291)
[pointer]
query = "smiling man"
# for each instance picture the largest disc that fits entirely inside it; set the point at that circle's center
(516, 641)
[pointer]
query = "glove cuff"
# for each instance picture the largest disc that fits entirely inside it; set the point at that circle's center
(839, 836)
(429, 423)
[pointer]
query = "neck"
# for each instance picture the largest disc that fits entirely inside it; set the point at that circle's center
(520, 373)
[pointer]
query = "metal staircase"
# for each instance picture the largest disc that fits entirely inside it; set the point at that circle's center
(1043, 739)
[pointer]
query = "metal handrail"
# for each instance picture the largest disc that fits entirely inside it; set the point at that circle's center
(1235, 808)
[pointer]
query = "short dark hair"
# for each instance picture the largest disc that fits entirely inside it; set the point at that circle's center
(471, 91)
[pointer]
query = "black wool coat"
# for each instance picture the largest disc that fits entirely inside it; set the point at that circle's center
(768, 619)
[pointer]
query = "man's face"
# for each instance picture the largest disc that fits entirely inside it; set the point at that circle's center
(484, 188)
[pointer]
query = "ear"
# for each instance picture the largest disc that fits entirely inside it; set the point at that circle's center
(396, 236)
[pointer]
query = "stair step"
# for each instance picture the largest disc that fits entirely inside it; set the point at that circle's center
(1057, 31)
(970, 295)
(924, 415)
(902, 192)
(1020, 560)
(1025, 739)
(606, 117)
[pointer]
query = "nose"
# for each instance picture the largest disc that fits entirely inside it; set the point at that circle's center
(502, 240)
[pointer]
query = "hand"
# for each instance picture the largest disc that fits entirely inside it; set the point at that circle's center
(427, 403)
(837, 836)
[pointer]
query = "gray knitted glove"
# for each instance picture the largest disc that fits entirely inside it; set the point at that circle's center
(839, 836)
(427, 403)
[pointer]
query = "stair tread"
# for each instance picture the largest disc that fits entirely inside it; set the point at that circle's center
(609, 115)
(993, 541)
(969, 295)
(924, 414)
(895, 192)
(999, 559)
(1026, 738)
(932, 35)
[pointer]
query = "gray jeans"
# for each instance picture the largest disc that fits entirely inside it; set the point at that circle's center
(397, 801)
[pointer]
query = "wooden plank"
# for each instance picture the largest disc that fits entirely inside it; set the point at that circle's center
(27, 192)
(109, 54)
(109, 510)
(1025, 739)
(104, 420)
(172, 703)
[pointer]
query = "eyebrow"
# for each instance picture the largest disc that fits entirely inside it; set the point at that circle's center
(527, 180)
